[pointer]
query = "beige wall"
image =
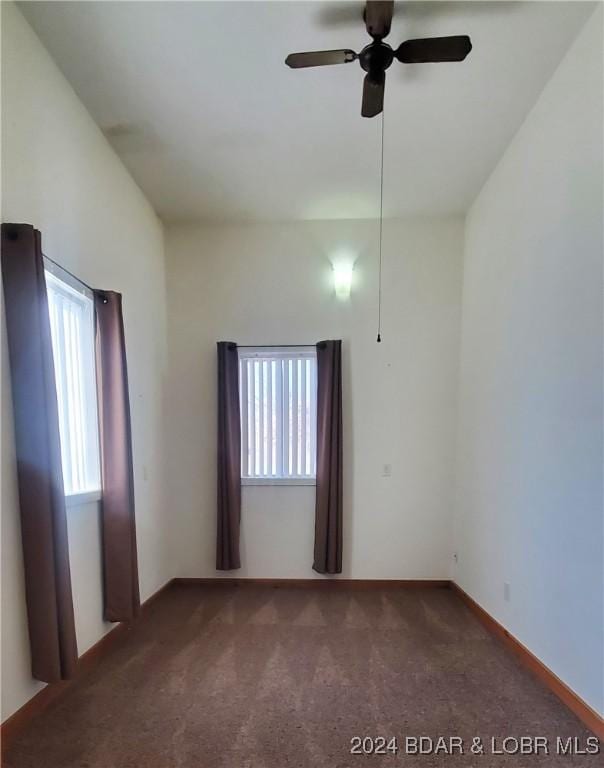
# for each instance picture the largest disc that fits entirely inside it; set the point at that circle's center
(530, 457)
(59, 174)
(271, 284)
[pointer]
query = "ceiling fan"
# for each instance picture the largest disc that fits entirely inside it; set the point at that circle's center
(376, 57)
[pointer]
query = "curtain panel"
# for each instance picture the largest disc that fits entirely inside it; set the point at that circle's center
(120, 567)
(40, 479)
(329, 497)
(229, 459)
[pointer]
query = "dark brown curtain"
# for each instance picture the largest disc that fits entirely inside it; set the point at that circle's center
(41, 496)
(120, 569)
(328, 508)
(229, 458)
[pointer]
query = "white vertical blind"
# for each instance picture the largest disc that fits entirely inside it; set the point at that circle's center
(72, 331)
(278, 412)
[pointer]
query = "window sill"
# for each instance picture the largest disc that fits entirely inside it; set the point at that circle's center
(278, 481)
(78, 499)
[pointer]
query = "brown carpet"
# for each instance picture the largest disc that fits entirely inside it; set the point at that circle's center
(261, 677)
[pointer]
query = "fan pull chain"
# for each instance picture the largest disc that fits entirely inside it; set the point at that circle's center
(379, 329)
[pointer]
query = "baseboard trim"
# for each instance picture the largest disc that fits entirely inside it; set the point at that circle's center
(38, 703)
(567, 696)
(327, 582)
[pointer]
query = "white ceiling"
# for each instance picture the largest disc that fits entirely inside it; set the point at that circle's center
(196, 99)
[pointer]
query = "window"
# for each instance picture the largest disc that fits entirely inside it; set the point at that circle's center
(72, 329)
(278, 389)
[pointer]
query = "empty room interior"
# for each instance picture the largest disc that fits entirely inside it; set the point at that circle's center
(302, 384)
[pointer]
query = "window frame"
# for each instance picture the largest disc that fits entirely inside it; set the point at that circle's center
(61, 281)
(298, 352)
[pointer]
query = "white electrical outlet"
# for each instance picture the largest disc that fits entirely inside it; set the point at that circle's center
(506, 591)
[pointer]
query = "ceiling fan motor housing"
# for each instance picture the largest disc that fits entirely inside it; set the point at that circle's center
(376, 58)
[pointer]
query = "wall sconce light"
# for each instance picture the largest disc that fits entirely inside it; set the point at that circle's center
(342, 279)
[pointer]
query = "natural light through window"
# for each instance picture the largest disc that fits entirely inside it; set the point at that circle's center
(278, 389)
(72, 329)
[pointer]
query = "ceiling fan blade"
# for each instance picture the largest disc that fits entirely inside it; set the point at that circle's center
(319, 58)
(429, 49)
(373, 95)
(378, 17)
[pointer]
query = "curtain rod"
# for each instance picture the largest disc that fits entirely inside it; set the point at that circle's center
(77, 279)
(272, 346)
